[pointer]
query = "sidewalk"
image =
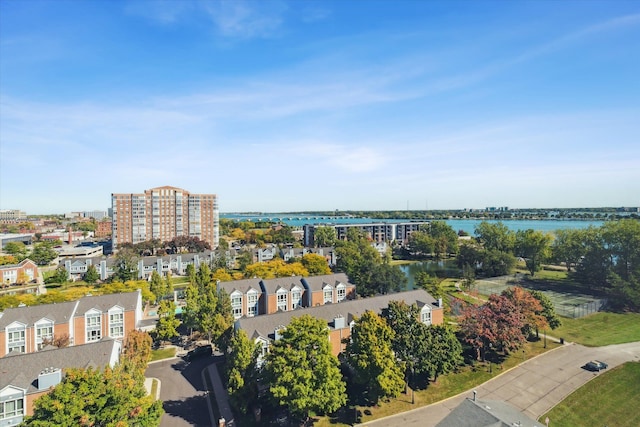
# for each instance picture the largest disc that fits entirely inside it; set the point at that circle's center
(220, 392)
(148, 384)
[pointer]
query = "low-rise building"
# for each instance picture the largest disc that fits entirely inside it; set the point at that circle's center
(24, 272)
(27, 329)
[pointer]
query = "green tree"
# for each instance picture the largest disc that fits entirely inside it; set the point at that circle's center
(301, 372)
(548, 309)
(191, 274)
(91, 276)
(17, 249)
(244, 259)
(358, 259)
(468, 276)
(167, 326)
(241, 364)
(534, 246)
(420, 244)
(125, 265)
(157, 286)
(136, 353)
(495, 236)
(445, 238)
(109, 398)
(568, 247)
(315, 264)
(324, 236)
(430, 283)
(43, 253)
(369, 352)
(444, 351)
(61, 275)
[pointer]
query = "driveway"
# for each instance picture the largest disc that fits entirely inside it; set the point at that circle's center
(533, 387)
(182, 391)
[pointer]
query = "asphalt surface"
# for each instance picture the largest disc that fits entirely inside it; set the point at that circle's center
(533, 387)
(182, 391)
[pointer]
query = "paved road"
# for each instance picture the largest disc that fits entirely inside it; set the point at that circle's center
(534, 387)
(182, 391)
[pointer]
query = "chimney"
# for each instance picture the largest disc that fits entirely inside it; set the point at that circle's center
(439, 302)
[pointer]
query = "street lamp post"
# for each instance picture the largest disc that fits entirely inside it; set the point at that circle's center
(545, 338)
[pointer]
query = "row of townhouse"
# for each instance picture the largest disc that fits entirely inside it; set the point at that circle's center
(253, 297)
(339, 317)
(24, 272)
(26, 329)
(287, 254)
(26, 377)
(106, 267)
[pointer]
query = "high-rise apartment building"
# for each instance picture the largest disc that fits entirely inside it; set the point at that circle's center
(164, 213)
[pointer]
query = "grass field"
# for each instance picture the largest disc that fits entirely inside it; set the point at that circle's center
(607, 400)
(600, 329)
(163, 353)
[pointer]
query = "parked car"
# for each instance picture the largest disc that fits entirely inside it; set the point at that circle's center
(595, 366)
(197, 352)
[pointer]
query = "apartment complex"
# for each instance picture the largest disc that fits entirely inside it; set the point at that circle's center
(378, 232)
(164, 213)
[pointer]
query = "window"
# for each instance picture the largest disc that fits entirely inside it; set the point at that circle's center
(327, 294)
(282, 300)
(11, 408)
(425, 315)
(116, 323)
(296, 298)
(16, 339)
(252, 303)
(341, 292)
(236, 305)
(93, 326)
(44, 331)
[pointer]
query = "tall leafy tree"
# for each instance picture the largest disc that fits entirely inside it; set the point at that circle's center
(324, 236)
(136, 352)
(109, 398)
(242, 372)
(495, 236)
(445, 238)
(444, 351)
(43, 253)
(534, 246)
(17, 249)
(167, 326)
(126, 265)
(547, 309)
(529, 308)
(369, 352)
(568, 247)
(315, 264)
(61, 275)
(91, 276)
(429, 282)
(301, 372)
(157, 286)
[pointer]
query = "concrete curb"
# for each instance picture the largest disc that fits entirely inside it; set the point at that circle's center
(148, 384)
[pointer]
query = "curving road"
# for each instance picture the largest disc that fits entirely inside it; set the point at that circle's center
(533, 387)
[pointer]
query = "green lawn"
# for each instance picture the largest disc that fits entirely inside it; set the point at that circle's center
(163, 353)
(607, 400)
(600, 329)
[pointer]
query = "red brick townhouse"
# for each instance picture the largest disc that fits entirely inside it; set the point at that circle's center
(24, 272)
(87, 320)
(339, 317)
(25, 377)
(251, 297)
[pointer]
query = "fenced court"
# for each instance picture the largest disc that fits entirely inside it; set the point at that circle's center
(567, 304)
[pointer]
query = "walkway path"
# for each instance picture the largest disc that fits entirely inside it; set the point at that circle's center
(533, 387)
(222, 398)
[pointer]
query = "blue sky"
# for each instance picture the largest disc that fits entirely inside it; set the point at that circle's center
(321, 105)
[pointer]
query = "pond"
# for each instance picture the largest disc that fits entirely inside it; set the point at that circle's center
(443, 268)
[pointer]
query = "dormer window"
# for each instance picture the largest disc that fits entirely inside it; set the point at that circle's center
(116, 322)
(252, 303)
(341, 292)
(16, 338)
(44, 332)
(236, 304)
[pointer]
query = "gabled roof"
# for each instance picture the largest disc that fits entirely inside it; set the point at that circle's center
(128, 301)
(243, 285)
(20, 264)
(271, 286)
(317, 283)
(265, 324)
(58, 312)
(486, 413)
(22, 370)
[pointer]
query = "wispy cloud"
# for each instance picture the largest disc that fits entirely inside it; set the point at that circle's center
(246, 19)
